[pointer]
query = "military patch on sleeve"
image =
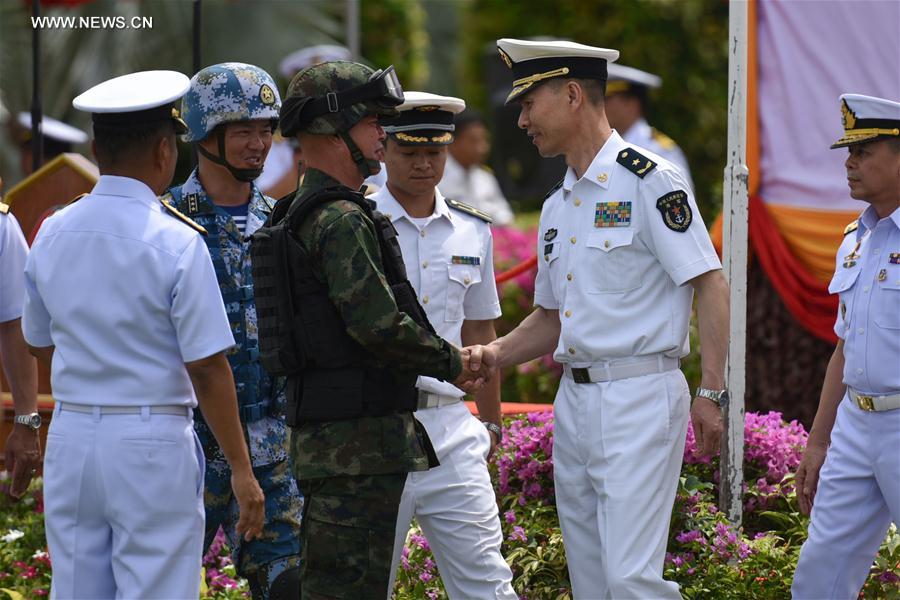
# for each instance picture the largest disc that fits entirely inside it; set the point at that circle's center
(181, 217)
(635, 162)
(4, 208)
(851, 227)
(675, 210)
(469, 210)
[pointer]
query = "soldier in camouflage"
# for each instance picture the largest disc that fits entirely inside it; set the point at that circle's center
(352, 470)
(231, 110)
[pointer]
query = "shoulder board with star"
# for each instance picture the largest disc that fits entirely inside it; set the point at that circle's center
(554, 188)
(469, 210)
(851, 227)
(4, 208)
(635, 162)
(181, 217)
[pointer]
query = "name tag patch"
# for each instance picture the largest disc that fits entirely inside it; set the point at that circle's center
(466, 260)
(612, 214)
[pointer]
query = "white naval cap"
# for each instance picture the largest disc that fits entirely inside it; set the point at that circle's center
(866, 118)
(295, 62)
(136, 99)
(424, 120)
(53, 129)
(623, 79)
(536, 61)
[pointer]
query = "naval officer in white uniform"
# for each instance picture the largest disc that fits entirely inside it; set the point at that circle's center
(122, 302)
(621, 251)
(448, 251)
(856, 432)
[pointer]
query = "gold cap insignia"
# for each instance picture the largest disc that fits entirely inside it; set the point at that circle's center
(266, 95)
(847, 116)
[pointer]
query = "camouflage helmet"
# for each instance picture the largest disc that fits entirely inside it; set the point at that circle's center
(332, 97)
(228, 93)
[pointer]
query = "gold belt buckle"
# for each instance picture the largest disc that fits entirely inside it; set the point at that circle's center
(866, 403)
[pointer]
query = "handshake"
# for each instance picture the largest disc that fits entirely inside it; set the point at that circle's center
(480, 364)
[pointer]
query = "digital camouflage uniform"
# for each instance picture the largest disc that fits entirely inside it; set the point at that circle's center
(220, 94)
(352, 472)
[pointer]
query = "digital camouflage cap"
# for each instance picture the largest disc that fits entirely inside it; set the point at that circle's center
(316, 82)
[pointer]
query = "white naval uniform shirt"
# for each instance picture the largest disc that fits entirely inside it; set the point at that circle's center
(643, 136)
(13, 252)
(620, 291)
(439, 257)
(867, 280)
(127, 294)
(476, 186)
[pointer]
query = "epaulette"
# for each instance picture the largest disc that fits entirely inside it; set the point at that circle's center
(851, 227)
(554, 188)
(635, 162)
(469, 210)
(184, 219)
(270, 202)
(76, 198)
(4, 208)
(664, 141)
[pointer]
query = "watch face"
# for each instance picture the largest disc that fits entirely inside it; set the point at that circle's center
(36, 421)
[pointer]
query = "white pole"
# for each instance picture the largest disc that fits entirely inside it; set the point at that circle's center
(351, 32)
(734, 250)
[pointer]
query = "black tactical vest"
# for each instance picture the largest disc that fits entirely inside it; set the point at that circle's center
(301, 333)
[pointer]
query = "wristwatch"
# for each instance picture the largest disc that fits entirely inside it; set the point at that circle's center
(32, 420)
(720, 397)
(494, 428)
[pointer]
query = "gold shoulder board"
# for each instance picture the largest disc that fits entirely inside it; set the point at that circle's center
(851, 227)
(470, 210)
(4, 208)
(181, 217)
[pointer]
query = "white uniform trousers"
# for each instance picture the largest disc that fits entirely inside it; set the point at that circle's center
(124, 506)
(857, 497)
(456, 507)
(617, 453)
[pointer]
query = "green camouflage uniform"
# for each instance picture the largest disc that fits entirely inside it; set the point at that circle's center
(352, 472)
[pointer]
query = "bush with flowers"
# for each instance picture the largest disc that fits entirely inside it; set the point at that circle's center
(25, 563)
(707, 556)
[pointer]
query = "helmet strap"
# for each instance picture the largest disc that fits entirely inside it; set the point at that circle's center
(245, 175)
(366, 166)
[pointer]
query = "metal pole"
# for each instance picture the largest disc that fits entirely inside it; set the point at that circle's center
(735, 210)
(352, 28)
(37, 138)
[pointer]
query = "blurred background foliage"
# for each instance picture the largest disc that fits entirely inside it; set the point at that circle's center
(445, 46)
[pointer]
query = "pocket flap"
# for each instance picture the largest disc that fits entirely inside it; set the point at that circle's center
(610, 239)
(843, 280)
(464, 275)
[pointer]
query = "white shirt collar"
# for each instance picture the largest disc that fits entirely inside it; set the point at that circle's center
(114, 185)
(393, 210)
(600, 170)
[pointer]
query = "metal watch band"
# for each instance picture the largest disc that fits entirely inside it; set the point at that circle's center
(32, 420)
(494, 428)
(720, 397)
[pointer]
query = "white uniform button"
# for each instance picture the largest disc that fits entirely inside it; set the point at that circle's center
(467, 281)
(866, 289)
(422, 233)
(571, 350)
(859, 371)
(860, 331)
(572, 239)
(606, 243)
(425, 299)
(568, 313)
(425, 265)
(577, 202)
(569, 276)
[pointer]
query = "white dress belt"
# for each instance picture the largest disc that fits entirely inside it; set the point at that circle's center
(432, 400)
(873, 403)
(623, 368)
(170, 409)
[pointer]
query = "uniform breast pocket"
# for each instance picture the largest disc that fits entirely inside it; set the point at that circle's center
(842, 284)
(460, 279)
(611, 262)
(887, 304)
